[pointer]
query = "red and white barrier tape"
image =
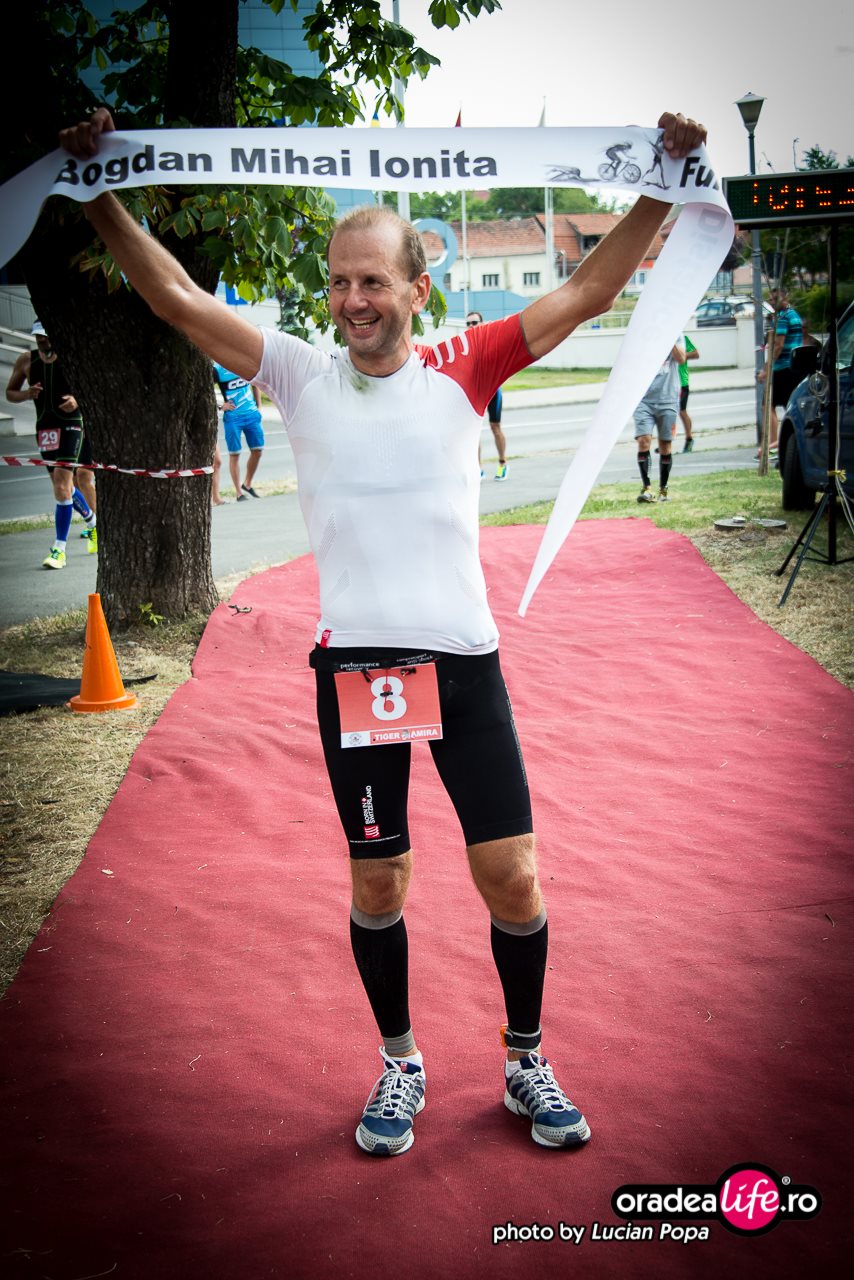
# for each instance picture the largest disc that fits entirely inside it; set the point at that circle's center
(108, 466)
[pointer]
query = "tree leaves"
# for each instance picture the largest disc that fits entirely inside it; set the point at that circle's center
(264, 241)
(277, 236)
(447, 13)
(310, 271)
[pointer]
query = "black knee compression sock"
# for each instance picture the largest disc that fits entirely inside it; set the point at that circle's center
(643, 464)
(520, 952)
(665, 462)
(381, 952)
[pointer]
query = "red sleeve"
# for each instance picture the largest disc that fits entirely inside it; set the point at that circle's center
(481, 358)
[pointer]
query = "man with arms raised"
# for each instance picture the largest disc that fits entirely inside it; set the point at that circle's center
(385, 438)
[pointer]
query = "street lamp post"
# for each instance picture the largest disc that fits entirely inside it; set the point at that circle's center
(399, 90)
(750, 107)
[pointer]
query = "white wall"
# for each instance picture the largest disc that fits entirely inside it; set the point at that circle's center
(509, 269)
(728, 347)
(598, 348)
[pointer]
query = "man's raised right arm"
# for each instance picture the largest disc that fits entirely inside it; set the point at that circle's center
(157, 276)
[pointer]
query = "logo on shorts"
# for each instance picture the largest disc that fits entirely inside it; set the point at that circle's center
(372, 830)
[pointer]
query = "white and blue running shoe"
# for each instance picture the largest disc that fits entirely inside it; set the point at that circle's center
(533, 1091)
(396, 1098)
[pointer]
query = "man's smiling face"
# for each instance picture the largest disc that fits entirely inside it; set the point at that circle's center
(371, 300)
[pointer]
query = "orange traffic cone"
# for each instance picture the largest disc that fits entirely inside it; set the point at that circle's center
(101, 687)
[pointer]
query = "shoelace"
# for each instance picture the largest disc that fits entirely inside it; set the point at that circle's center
(541, 1082)
(397, 1094)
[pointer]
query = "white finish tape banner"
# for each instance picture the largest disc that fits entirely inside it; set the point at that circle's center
(630, 160)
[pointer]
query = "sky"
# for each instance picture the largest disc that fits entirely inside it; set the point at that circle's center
(625, 62)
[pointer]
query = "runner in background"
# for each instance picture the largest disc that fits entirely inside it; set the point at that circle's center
(61, 438)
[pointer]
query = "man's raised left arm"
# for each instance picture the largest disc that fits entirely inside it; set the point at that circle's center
(606, 271)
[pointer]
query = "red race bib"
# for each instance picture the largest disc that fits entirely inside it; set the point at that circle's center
(48, 438)
(384, 705)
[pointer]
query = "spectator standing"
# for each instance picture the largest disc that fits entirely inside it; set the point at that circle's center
(657, 413)
(691, 353)
(493, 412)
(241, 417)
(788, 334)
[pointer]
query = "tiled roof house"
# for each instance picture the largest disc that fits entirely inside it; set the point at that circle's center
(511, 253)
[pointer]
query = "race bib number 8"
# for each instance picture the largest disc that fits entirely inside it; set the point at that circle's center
(388, 703)
(400, 704)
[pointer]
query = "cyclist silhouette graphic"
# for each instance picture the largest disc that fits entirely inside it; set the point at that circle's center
(620, 166)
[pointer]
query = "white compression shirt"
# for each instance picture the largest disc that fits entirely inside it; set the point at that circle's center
(389, 482)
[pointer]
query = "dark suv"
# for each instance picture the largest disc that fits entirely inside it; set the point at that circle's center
(803, 431)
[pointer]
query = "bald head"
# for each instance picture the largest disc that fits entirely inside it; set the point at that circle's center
(379, 217)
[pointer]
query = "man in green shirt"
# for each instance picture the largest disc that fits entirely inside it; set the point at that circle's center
(691, 353)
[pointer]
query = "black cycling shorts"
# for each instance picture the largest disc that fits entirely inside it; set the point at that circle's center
(69, 444)
(478, 757)
(783, 384)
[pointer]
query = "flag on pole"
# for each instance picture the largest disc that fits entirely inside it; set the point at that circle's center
(549, 209)
(464, 233)
(375, 124)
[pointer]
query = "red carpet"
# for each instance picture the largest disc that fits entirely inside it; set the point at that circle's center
(188, 1048)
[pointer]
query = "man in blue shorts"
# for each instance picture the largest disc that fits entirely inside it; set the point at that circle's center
(656, 414)
(241, 417)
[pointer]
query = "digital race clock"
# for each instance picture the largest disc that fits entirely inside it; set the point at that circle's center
(817, 195)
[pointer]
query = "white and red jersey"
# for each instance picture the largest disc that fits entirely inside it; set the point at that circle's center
(389, 484)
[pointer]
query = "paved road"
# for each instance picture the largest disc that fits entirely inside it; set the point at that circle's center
(531, 430)
(252, 535)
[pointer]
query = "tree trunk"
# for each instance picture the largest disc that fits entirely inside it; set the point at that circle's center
(145, 391)
(147, 399)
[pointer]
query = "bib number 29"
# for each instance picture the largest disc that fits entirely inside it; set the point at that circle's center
(48, 439)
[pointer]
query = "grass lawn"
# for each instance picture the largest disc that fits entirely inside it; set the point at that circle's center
(533, 378)
(536, 377)
(697, 501)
